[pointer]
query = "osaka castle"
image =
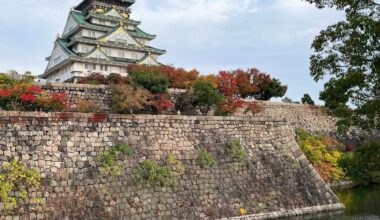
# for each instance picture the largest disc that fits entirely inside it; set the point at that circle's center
(100, 37)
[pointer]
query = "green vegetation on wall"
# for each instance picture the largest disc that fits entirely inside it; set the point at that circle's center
(15, 177)
(111, 162)
(236, 151)
(205, 159)
(152, 174)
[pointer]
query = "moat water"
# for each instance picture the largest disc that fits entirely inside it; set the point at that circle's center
(362, 203)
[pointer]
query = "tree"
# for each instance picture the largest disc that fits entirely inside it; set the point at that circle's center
(289, 100)
(156, 84)
(205, 96)
(178, 77)
(129, 99)
(348, 54)
(306, 99)
(270, 90)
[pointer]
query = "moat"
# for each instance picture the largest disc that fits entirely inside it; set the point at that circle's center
(362, 203)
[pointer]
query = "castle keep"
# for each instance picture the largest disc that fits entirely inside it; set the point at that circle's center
(99, 36)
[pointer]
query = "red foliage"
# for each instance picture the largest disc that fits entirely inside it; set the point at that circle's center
(246, 86)
(161, 103)
(28, 98)
(58, 101)
(349, 148)
(65, 116)
(4, 93)
(325, 170)
(178, 77)
(227, 84)
(95, 79)
(254, 108)
(34, 90)
(231, 105)
(98, 118)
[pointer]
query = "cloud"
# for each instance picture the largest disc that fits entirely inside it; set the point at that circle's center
(210, 35)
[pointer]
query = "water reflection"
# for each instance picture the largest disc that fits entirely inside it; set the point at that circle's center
(362, 203)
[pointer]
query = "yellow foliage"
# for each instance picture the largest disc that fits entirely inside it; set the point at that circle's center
(243, 212)
(13, 177)
(176, 166)
(322, 153)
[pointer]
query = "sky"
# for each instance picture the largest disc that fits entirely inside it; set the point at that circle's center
(274, 36)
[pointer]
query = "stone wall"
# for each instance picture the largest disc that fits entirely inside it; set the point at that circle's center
(299, 116)
(275, 180)
(310, 118)
(97, 94)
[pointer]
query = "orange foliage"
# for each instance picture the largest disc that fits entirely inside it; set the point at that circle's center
(210, 78)
(227, 84)
(325, 170)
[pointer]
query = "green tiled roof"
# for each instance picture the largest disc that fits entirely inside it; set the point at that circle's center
(79, 17)
(63, 45)
(110, 18)
(116, 45)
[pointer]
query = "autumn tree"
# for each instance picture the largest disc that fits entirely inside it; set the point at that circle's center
(129, 99)
(178, 77)
(348, 55)
(227, 84)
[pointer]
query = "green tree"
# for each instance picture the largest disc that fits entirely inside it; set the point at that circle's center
(205, 96)
(348, 54)
(271, 90)
(306, 99)
(154, 83)
(363, 165)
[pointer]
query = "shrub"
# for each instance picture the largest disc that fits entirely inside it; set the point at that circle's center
(7, 82)
(26, 97)
(324, 153)
(176, 166)
(151, 174)
(205, 159)
(236, 151)
(185, 105)
(229, 106)
(160, 103)
(115, 78)
(363, 165)
(178, 77)
(129, 99)
(253, 108)
(16, 177)
(111, 162)
(94, 79)
(156, 84)
(85, 106)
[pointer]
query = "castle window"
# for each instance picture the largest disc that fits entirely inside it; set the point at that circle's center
(103, 67)
(121, 54)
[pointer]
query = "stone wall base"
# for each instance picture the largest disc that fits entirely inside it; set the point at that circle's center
(291, 213)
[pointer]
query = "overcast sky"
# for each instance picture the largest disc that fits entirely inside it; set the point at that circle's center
(209, 35)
